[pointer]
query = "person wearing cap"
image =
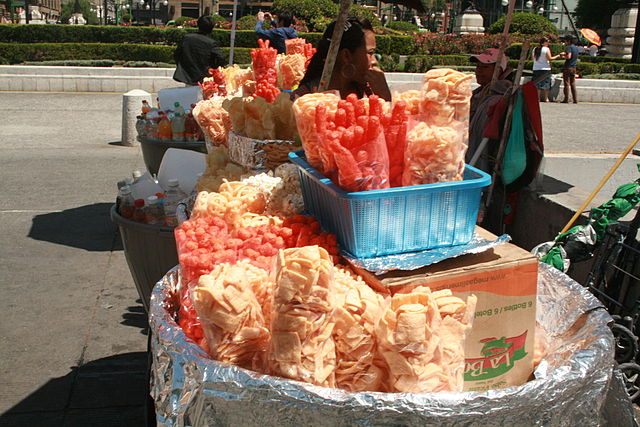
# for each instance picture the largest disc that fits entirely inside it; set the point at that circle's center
(483, 98)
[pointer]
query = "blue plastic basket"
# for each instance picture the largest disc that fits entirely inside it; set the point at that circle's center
(395, 220)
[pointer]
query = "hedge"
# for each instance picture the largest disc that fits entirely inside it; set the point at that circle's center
(586, 58)
(423, 63)
(586, 68)
(14, 53)
(514, 50)
(401, 45)
(621, 76)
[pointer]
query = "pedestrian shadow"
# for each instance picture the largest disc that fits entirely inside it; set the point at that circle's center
(86, 227)
(137, 317)
(551, 185)
(105, 392)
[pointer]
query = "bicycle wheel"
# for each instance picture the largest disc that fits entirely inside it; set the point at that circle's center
(631, 375)
(626, 343)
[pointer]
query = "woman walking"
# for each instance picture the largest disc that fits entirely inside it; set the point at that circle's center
(542, 68)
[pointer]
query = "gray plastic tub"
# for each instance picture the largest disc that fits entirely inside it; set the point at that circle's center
(150, 251)
(153, 151)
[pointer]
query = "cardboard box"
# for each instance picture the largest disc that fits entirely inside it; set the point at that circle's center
(499, 348)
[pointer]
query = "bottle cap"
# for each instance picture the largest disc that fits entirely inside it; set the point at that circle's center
(138, 203)
(136, 174)
(176, 104)
(152, 200)
(160, 196)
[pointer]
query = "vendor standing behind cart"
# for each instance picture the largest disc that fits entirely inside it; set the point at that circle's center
(196, 53)
(483, 98)
(356, 69)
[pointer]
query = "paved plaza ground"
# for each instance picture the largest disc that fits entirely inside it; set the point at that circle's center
(73, 341)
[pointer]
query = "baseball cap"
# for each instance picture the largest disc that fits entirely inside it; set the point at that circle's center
(490, 56)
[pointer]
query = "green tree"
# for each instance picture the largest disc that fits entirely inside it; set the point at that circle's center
(309, 11)
(525, 23)
(68, 9)
(362, 12)
(596, 14)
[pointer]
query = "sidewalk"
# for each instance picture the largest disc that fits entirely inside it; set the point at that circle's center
(73, 339)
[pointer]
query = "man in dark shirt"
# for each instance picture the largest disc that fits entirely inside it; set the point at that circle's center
(278, 35)
(569, 69)
(196, 53)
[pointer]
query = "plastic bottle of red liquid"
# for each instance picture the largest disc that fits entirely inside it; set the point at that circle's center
(164, 129)
(151, 130)
(138, 213)
(126, 204)
(191, 128)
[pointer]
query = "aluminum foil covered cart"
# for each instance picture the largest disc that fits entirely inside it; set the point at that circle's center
(575, 383)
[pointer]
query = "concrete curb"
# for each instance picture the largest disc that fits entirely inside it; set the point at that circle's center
(123, 79)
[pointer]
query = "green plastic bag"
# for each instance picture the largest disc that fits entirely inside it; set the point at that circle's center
(514, 161)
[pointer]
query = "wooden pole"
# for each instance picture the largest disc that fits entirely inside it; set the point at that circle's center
(336, 38)
(575, 30)
(233, 32)
(601, 184)
(504, 41)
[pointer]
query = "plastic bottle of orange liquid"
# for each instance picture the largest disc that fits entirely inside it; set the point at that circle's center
(164, 129)
(145, 106)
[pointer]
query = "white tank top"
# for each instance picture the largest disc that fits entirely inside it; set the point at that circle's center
(542, 63)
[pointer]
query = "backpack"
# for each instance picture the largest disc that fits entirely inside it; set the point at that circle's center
(525, 149)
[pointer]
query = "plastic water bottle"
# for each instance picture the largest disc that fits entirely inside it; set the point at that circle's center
(136, 174)
(178, 126)
(141, 127)
(126, 204)
(177, 108)
(151, 129)
(138, 212)
(191, 128)
(153, 212)
(164, 129)
(172, 197)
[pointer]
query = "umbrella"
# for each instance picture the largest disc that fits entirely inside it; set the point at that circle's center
(591, 36)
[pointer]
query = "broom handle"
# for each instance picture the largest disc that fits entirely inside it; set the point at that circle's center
(602, 183)
(334, 46)
(503, 41)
